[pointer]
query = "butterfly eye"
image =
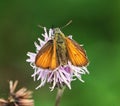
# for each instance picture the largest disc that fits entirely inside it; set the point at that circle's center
(52, 35)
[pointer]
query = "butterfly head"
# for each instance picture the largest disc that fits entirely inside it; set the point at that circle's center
(56, 31)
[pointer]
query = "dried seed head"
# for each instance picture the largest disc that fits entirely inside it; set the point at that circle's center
(22, 97)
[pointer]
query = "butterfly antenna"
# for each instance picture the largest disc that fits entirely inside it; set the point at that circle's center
(40, 26)
(66, 24)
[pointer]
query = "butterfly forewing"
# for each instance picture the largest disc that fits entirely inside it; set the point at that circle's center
(46, 57)
(76, 53)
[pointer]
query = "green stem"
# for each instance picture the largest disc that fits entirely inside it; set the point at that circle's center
(59, 95)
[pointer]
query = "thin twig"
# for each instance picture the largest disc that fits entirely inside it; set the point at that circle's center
(59, 95)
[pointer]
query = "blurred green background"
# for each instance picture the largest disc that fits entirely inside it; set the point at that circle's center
(96, 24)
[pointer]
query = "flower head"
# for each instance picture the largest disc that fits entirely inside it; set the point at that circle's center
(63, 73)
(19, 98)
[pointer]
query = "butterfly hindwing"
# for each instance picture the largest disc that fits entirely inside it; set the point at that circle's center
(54, 59)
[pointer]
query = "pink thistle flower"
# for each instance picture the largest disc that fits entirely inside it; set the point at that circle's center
(60, 76)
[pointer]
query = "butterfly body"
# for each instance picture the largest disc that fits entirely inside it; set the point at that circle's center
(60, 47)
(59, 50)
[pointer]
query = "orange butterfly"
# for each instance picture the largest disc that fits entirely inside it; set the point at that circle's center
(59, 50)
